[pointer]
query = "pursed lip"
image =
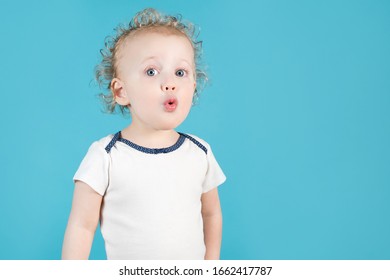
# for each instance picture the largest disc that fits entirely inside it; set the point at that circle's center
(170, 104)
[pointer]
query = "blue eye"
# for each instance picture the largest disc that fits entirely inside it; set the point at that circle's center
(180, 73)
(151, 72)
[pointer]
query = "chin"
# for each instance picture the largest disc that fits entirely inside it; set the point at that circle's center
(169, 125)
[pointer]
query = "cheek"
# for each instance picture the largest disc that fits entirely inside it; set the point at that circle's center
(146, 103)
(142, 97)
(187, 104)
(189, 90)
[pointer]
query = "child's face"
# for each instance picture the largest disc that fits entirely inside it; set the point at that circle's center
(156, 78)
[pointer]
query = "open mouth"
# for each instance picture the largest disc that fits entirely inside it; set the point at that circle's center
(170, 104)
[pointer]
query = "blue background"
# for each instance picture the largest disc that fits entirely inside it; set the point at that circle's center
(297, 113)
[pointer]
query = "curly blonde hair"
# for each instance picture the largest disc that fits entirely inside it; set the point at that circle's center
(148, 18)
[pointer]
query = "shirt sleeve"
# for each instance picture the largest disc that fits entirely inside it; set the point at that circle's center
(214, 174)
(94, 169)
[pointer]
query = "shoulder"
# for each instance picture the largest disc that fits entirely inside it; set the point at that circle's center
(103, 143)
(202, 144)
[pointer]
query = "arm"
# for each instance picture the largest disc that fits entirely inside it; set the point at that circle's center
(212, 224)
(82, 223)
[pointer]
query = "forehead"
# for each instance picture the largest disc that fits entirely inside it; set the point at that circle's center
(159, 41)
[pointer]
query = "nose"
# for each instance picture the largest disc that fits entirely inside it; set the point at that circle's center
(168, 87)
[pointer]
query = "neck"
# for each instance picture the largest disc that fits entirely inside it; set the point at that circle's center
(149, 137)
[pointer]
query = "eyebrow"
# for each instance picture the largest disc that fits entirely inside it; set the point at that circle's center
(190, 64)
(154, 57)
(148, 58)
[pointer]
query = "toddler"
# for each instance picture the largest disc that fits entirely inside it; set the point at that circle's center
(153, 189)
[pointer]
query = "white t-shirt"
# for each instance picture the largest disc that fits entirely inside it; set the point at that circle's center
(151, 205)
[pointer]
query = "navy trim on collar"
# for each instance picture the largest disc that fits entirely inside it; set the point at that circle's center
(179, 142)
(154, 151)
(196, 142)
(112, 142)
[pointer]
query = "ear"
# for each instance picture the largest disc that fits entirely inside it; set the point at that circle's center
(119, 92)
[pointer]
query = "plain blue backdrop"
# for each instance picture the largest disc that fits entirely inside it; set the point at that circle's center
(297, 113)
